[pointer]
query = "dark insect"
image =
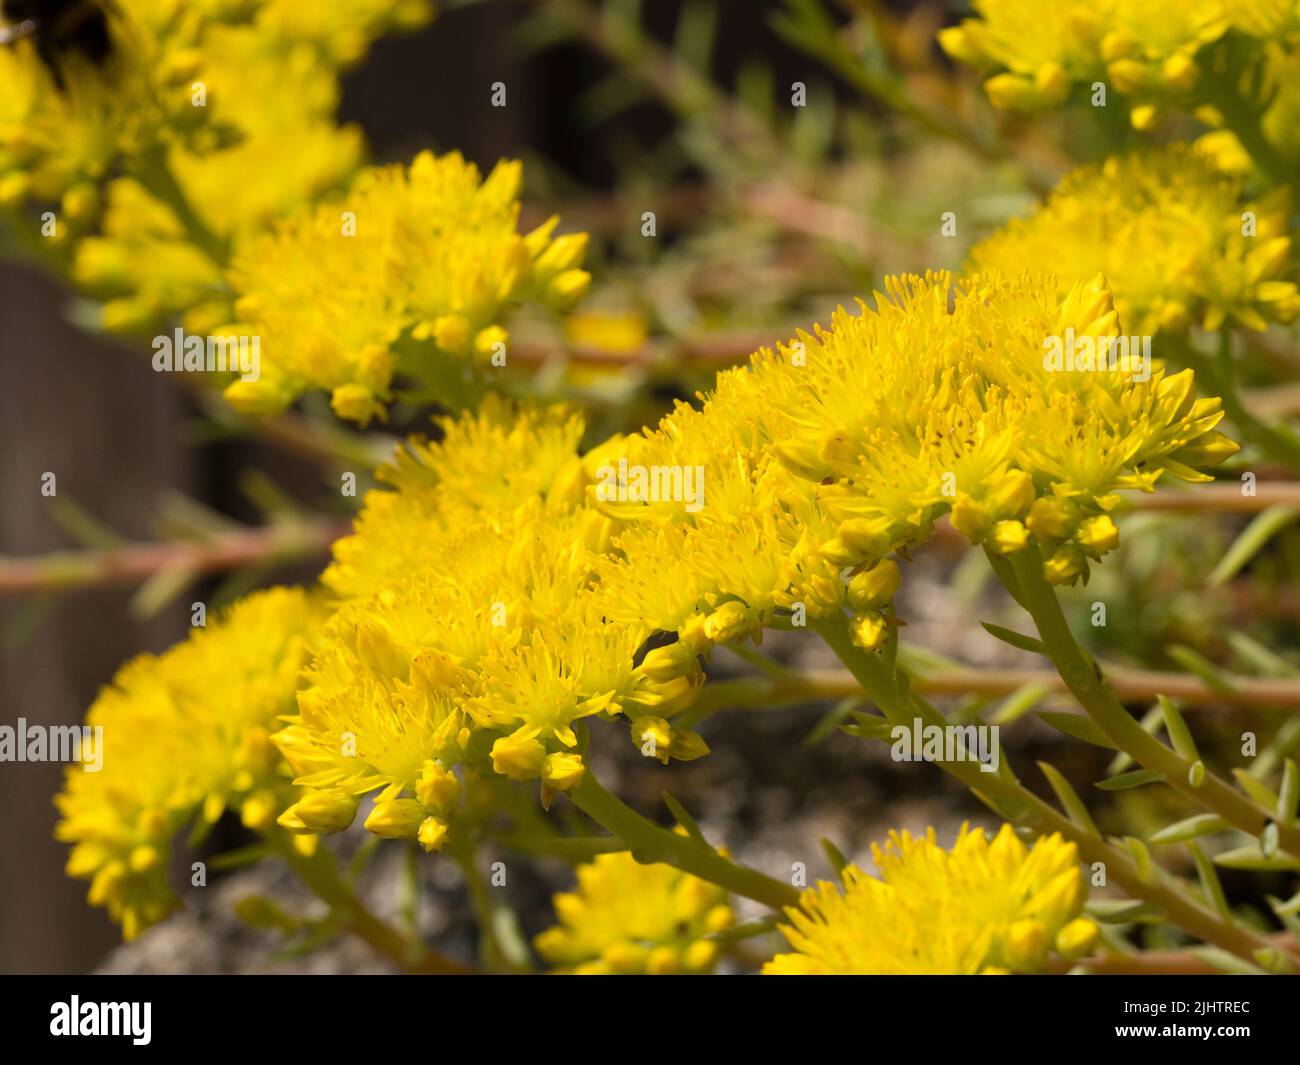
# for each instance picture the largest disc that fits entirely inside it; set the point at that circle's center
(59, 29)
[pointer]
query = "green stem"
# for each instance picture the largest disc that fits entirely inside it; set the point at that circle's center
(889, 690)
(319, 871)
(1088, 684)
(651, 842)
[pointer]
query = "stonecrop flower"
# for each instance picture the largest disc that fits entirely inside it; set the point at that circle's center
(983, 907)
(1147, 50)
(411, 270)
(186, 735)
(468, 634)
(1173, 236)
(823, 462)
(626, 918)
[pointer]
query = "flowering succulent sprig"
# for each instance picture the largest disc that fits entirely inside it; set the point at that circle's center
(414, 265)
(1147, 51)
(822, 465)
(987, 906)
(1173, 236)
(508, 590)
(186, 735)
(626, 917)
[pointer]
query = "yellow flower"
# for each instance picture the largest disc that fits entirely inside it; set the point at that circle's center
(626, 917)
(489, 663)
(185, 735)
(414, 266)
(983, 906)
(1145, 50)
(1171, 234)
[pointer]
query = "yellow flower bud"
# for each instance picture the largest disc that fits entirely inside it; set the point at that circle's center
(563, 253)
(727, 622)
(687, 746)
(1025, 945)
(1052, 83)
(259, 397)
(868, 631)
(81, 201)
(1131, 76)
(519, 756)
(563, 772)
(669, 662)
(1179, 71)
(1012, 92)
(490, 341)
(700, 956)
(1009, 537)
(1097, 535)
(971, 519)
(432, 671)
(13, 188)
(653, 736)
(1064, 565)
(143, 859)
(1050, 518)
(396, 818)
(567, 290)
(356, 403)
(451, 333)
(324, 811)
(865, 537)
(875, 587)
(802, 459)
(432, 835)
(663, 961)
(957, 43)
(257, 812)
(437, 788)
(1077, 938)
(624, 958)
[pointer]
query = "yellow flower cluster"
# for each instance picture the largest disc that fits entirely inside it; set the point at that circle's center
(185, 735)
(410, 270)
(1148, 50)
(509, 588)
(468, 632)
(1172, 235)
(627, 918)
(844, 447)
(179, 112)
(983, 907)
